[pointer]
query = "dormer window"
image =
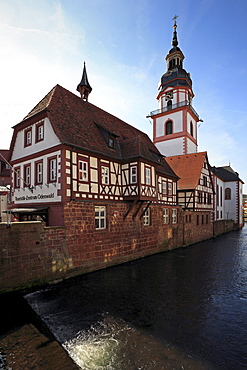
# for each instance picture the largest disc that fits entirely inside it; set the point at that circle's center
(111, 142)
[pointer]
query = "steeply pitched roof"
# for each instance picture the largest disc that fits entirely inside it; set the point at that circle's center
(81, 124)
(226, 173)
(188, 167)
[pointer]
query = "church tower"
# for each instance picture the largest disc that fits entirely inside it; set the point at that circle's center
(175, 122)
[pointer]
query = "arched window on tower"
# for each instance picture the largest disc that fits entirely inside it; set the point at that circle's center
(228, 193)
(169, 104)
(168, 127)
(172, 63)
(191, 128)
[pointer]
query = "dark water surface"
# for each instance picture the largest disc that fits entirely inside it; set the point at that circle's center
(183, 309)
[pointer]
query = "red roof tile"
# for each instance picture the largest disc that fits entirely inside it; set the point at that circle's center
(79, 123)
(188, 167)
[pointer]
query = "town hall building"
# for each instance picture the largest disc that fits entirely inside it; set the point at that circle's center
(66, 149)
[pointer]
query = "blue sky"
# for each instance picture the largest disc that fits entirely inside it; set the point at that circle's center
(124, 42)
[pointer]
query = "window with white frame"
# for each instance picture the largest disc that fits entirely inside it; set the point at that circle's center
(146, 217)
(39, 173)
(27, 175)
(169, 188)
(174, 216)
(147, 176)
(105, 175)
(83, 171)
(164, 187)
(52, 167)
(100, 217)
(166, 215)
(28, 137)
(39, 135)
(133, 174)
(17, 177)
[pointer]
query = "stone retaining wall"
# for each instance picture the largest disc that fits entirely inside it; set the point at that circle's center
(32, 254)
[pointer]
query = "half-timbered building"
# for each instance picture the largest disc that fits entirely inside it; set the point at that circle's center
(66, 149)
(195, 186)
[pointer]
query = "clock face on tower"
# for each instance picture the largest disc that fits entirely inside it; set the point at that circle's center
(169, 95)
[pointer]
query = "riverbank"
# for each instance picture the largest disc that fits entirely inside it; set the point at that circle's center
(25, 342)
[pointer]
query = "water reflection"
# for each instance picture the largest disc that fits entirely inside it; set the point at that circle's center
(165, 310)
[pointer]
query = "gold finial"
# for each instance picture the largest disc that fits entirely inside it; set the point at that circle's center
(174, 19)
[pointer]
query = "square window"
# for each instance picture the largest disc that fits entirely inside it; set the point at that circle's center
(100, 217)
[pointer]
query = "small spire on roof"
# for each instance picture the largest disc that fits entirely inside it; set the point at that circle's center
(175, 39)
(84, 87)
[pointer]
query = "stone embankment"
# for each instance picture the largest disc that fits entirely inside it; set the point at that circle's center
(25, 342)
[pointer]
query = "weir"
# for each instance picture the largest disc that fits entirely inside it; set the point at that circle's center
(178, 309)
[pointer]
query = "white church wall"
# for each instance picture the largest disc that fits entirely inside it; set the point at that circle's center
(171, 147)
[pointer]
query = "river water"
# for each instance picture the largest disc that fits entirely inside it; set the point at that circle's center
(182, 309)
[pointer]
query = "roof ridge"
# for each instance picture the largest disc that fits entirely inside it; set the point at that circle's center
(42, 104)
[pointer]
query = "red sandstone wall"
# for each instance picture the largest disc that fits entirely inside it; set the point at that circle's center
(197, 226)
(124, 239)
(223, 226)
(31, 253)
